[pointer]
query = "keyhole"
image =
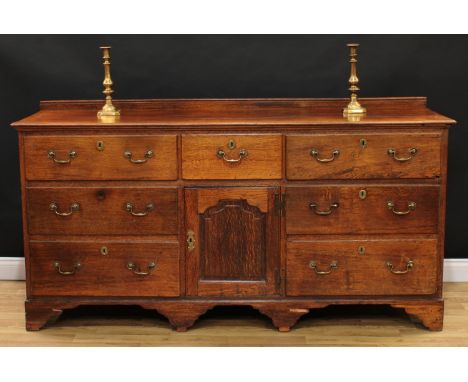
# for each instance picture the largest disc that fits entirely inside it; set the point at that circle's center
(104, 251)
(362, 194)
(363, 142)
(100, 145)
(362, 250)
(231, 144)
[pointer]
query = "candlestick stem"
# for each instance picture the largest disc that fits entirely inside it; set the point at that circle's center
(354, 107)
(108, 110)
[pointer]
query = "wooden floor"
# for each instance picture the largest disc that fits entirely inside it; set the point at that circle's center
(237, 326)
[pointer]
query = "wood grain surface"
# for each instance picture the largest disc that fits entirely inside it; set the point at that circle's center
(102, 210)
(108, 274)
(108, 164)
(237, 243)
(355, 215)
(234, 112)
(363, 273)
(263, 161)
(363, 161)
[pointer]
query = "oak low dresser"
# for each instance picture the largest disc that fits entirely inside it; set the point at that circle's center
(279, 204)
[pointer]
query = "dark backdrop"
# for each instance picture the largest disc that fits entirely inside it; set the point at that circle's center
(34, 68)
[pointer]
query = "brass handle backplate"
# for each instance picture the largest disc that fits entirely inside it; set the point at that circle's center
(391, 206)
(58, 268)
(393, 153)
(129, 208)
(148, 155)
(71, 155)
(409, 266)
(73, 207)
(315, 154)
(136, 269)
(333, 266)
(313, 206)
(243, 153)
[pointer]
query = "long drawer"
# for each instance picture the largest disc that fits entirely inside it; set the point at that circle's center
(234, 156)
(96, 157)
(347, 209)
(353, 156)
(100, 268)
(362, 267)
(75, 210)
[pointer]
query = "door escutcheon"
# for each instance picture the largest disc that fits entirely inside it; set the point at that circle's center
(190, 240)
(362, 194)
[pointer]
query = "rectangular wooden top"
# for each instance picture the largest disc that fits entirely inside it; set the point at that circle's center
(235, 112)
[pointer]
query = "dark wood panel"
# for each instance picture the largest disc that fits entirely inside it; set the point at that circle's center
(232, 243)
(236, 251)
(352, 214)
(361, 267)
(110, 163)
(104, 274)
(262, 161)
(348, 157)
(102, 210)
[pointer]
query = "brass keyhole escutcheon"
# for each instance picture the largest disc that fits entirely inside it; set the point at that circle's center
(104, 251)
(361, 250)
(100, 145)
(363, 143)
(231, 144)
(190, 240)
(362, 194)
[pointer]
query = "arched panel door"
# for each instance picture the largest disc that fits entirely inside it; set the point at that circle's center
(232, 241)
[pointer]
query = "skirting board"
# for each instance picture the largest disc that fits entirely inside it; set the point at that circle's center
(456, 270)
(12, 268)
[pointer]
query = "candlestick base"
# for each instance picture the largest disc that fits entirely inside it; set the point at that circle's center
(108, 112)
(354, 107)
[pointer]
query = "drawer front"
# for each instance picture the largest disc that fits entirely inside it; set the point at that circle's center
(352, 156)
(150, 157)
(102, 210)
(340, 209)
(231, 156)
(362, 267)
(95, 268)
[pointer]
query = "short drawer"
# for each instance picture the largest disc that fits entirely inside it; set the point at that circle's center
(253, 156)
(100, 268)
(346, 209)
(66, 157)
(64, 210)
(348, 156)
(362, 267)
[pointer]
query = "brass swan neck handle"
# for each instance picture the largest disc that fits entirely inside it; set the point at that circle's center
(313, 265)
(393, 153)
(136, 269)
(314, 153)
(313, 206)
(53, 156)
(409, 266)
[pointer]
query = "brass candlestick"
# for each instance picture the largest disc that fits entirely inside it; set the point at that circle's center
(354, 108)
(108, 110)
